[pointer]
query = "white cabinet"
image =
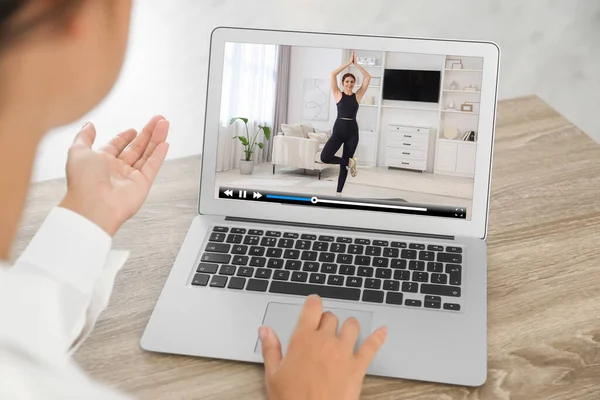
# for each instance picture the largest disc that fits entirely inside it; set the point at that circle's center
(366, 153)
(455, 157)
(407, 147)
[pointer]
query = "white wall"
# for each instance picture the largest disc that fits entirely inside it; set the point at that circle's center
(549, 48)
(311, 63)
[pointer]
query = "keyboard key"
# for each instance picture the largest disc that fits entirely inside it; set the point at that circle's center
(347, 269)
(235, 239)
(239, 249)
(426, 255)
(216, 258)
(218, 281)
(416, 265)
(381, 262)
(273, 234)
(236, 283)
(257, 285)
(299, 276)
(325, 238)
(435, 267)
(410, 287)
(412, 303)
(227, 270)
(452, 249)
(344, 259)
(268, 241)
(391, 285)
(381, 243)
(293, 265)
(344, 240)
(373, 251)
(336, 280)
(433, 298)
(309, 256)
(275, 263)
(245, 271)
(394, 298)
(303, 245)
(281, 275)
(311, 267)
(409, 254)
(455, 273)
(371, 283)
(337, 248)
(274, 252)
(251, 240)
(200, 280)
(308, 237)
(291, 254)
(291, 235)
(441, 279)
(258, 261)
(220, 229)
(362, 260)
(285, 243)
(327, 257)
(440, 290)
(207, 268)
(331, 292)
(355, 249)
(320, 246)
(218, 247)
(449, 258)
(257, 251)
(416, 246)
(451, 306)
(240, 231)
(384, 273)
(240, 260)
(328, 268)
(362, 241)
(256, 232)
(433, 304)
(420, 276)
(390, 252)
(263, 273)
(402, 275)
(354, 281)
(399, 263)
(372, 296)
(365, 271)
(433, 247)
(317, 278)
(399, 245)
(217, 237)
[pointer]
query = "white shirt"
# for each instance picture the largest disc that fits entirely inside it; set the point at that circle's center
(49, 302)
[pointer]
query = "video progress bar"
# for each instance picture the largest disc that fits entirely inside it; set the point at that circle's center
(315, 200)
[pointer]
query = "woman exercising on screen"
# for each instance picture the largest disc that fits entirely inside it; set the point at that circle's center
(345, 129)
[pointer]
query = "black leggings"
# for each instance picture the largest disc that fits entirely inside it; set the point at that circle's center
(345, 132)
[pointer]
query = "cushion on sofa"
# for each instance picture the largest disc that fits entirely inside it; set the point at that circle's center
(320, 136)
(293, 130)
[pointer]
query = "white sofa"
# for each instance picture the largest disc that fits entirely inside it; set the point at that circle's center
(299, 152)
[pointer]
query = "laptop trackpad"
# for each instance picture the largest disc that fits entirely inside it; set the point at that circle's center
(282, 318)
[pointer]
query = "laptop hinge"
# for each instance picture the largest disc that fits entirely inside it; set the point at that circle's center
(344, 228)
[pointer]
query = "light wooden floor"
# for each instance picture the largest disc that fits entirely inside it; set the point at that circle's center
(543, 277)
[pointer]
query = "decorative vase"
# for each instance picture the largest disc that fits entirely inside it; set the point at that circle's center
(246, 167)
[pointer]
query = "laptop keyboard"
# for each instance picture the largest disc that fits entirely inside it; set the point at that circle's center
(399, 273)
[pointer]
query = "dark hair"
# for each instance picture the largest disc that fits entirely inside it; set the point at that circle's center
(348, 75)
(8, 8)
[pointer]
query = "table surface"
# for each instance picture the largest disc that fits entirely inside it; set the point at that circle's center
(543, 278)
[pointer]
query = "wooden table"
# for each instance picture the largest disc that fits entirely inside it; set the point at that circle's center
(544, 277)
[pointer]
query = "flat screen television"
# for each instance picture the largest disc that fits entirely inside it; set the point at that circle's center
(411, 85)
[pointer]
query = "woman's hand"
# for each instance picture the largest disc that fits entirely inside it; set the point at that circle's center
(319, 364)
(353, 59)
(110, 185)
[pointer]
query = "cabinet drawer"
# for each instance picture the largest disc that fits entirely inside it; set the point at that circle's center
(413, 137)
(406, 163)
(407, 144)
(393, 152)
(407, 129)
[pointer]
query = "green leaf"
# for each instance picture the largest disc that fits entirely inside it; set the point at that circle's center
(245, 120)
(243, 140)
(260, 145)
(267, 131)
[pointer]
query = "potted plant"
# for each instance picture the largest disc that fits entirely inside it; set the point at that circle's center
(250, 143)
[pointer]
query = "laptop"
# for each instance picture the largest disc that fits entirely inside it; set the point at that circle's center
(402, 245)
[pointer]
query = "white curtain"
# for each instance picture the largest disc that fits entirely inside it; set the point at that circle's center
(249, 91)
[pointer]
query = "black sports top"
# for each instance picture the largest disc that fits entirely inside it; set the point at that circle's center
(347, 106)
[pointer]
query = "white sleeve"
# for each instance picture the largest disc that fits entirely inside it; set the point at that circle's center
(50, 299)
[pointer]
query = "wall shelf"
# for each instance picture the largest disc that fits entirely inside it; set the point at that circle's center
(367, 66)
(461, 112)
(411, 108)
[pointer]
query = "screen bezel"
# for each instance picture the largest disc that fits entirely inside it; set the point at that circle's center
(476, 227)
(386, 78)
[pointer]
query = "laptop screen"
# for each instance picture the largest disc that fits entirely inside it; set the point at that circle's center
(391, 132)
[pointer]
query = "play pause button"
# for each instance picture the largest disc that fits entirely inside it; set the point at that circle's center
(242, 194)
